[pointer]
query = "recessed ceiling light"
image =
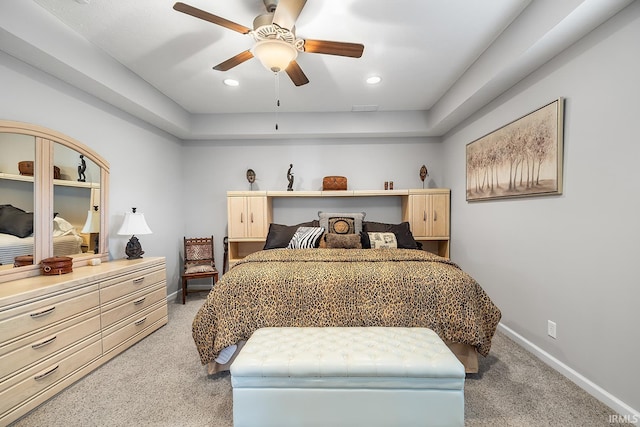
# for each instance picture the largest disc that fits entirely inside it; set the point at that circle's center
(231, 82)
(373, 80)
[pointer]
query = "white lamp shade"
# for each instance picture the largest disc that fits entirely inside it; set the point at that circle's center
(134, 223)
(92, 225)
(274, 54)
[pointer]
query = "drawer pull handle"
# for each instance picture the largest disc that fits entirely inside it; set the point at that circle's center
(140, 322)
(140, 301)
(43, 312)
(139, 280)
(46, 374)
(46, 341)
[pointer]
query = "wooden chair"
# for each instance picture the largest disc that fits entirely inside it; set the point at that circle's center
(199, 263)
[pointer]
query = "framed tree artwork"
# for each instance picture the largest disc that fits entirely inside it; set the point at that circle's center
(520, 159)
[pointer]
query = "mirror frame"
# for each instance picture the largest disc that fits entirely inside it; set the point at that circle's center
(43, 196)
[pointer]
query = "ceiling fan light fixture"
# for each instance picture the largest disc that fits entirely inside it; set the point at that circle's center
(274, 54)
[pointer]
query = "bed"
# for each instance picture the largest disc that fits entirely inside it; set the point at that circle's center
(345, 287)
(12, 246)
(16, 235)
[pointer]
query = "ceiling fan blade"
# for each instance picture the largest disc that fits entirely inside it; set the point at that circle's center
(198, 13)
(287, 13)
(234, 61)
(353, 50)
(296, 74)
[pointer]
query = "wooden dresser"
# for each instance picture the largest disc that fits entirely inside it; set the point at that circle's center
(56, 329)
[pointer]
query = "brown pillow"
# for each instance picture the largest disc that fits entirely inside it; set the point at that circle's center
(343, 241)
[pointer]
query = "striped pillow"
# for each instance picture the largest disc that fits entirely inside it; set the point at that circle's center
(305, 237)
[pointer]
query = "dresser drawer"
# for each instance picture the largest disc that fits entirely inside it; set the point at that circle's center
(134, 303)
(133, 325)
(127, 284)
(44, 375)
(33, 348)
(30, 317)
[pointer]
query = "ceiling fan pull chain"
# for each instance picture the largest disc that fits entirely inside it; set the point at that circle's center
(277, 106)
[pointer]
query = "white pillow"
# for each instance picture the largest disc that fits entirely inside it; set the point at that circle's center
(382, 240)
(62, 227)
(305, 238)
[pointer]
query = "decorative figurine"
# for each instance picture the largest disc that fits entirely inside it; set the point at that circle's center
(423, 174)
(133, 248)
(290, 178)
(251, 177)
(82, 167)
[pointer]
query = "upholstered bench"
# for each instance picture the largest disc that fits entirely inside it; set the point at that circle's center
(347, 377)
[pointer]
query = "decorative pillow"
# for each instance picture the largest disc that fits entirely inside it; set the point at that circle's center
(198, 268)
(344, 241)
(382, 240)
(402, 231)
(62, 227)
(15, 221)
(306, 237)
(280, 235)
(340, 223)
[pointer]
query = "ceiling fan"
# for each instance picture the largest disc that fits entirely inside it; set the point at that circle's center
(276, 44)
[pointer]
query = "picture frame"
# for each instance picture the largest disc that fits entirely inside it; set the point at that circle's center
(521, 159)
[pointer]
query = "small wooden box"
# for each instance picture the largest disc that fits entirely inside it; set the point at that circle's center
(334, 183)
(23, 260)
(56, 265)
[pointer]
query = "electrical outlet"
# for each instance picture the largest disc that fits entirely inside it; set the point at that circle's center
(551, 328)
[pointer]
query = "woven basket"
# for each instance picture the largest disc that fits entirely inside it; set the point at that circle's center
(334, 183)
(56, 265)
(26, 168)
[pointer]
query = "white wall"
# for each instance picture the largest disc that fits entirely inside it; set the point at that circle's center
(571, 258)
(145, 163)
(211, 168)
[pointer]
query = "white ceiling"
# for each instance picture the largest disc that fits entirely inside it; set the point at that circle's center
(426, 42)
(435, 57)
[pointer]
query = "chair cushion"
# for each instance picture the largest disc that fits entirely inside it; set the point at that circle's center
(203, 268)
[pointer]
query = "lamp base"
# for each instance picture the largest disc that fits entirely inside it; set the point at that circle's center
(134, 248)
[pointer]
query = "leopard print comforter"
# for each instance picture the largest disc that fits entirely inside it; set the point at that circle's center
(344, 287)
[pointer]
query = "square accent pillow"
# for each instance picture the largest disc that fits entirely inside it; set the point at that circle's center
(306, 238)
(341, 222)
(280, 235)
(343, 241)
(404, 237)
(382, 240)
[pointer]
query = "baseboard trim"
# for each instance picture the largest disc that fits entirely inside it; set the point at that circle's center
(590, 387)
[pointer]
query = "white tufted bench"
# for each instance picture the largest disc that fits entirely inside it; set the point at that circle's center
(347, 377)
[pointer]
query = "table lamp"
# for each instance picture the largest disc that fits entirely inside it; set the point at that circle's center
(92, 227)
(134, 223)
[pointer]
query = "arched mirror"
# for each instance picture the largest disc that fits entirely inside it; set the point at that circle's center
(52, 199)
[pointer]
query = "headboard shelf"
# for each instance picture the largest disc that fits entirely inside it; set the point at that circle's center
(251, 212)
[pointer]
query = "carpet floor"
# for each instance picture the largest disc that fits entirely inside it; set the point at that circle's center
(160, 382)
